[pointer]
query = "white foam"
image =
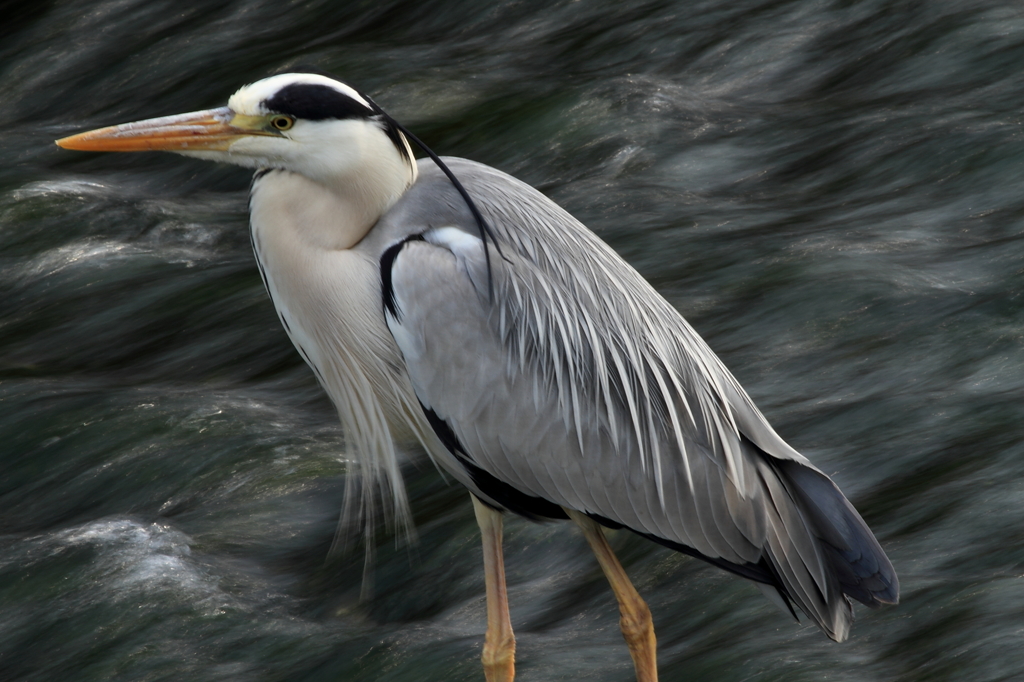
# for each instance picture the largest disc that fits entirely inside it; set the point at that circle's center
(136, 557)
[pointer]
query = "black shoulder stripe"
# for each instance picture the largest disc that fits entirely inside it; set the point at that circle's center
(387, 261)
(510, 498)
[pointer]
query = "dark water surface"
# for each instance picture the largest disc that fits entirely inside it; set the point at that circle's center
(831, 192)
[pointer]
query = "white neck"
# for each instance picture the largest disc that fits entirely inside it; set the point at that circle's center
(316, 216)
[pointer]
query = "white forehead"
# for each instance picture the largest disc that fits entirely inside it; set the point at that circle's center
(249, 98)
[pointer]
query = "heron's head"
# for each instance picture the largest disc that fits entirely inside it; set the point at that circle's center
(306, 123)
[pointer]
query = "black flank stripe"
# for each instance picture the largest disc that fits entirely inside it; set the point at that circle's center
(759, 572)
(516, 501)
(537, 508)
(444, 432)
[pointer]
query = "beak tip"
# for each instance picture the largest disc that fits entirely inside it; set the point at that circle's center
(68, 142)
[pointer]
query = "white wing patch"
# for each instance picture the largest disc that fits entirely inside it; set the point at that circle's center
(455, 240)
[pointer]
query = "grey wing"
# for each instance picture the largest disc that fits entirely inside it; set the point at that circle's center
(572, 383)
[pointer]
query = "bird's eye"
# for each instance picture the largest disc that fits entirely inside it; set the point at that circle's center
(282, 122)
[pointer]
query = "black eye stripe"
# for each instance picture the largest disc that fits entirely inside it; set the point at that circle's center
(314, 102)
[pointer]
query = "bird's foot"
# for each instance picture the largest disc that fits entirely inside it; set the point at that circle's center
(499, 657)
(638, 631)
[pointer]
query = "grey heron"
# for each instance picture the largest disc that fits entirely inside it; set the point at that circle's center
(447, 304)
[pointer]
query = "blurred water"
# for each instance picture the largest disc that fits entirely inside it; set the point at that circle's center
(832, 192)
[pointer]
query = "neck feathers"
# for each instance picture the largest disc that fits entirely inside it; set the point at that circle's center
(320, 216)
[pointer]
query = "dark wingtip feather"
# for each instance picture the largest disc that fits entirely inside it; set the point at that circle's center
(861, 566)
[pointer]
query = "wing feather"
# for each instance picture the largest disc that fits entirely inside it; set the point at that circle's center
(580, 385)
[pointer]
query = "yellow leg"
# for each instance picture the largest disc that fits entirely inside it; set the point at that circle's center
(500, 644)
(635, 620)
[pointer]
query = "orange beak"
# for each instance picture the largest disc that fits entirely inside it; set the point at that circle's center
(213, 129)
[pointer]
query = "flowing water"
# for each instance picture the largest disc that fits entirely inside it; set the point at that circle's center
(831, 192)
